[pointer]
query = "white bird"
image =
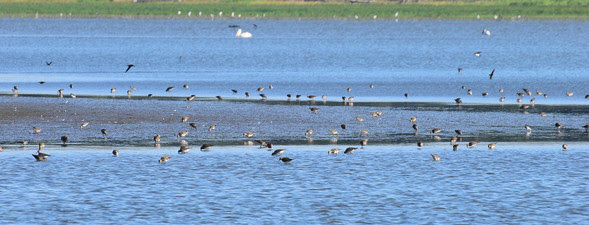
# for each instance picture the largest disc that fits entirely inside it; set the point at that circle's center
(243, 34)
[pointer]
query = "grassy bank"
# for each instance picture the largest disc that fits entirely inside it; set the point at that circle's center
(506, 9)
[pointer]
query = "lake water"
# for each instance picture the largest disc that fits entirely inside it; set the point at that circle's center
(527, 178)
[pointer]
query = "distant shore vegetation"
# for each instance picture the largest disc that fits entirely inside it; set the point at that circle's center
(330, 9)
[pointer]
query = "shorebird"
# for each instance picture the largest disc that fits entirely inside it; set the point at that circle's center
(533, 101)
(84, 124)
(212, 127)
(502, 99)
(453, 140)
(285, 159)
(133, 88)
(343, 126)
(373, 114)
(350, 150)
(183, 149)
(413, 119)
(219, 97)
(234, 91)
(406, 95)
(539, 92)
(455, 147)
(343, 98)
(241, 34)
(288, 96)
(485, 94)
(298, 96)
(492, 145)
(477, 53)
(586, 126)
(278, 151)
(260, 89)
(459, 69)
(169, 89)
(545, 95)
(501, 90)
(263, 96)
(542, 114)
(262, 143)
(1, 149)
(269, 145)
(129, 67)
(157, 138)
(185, 118)
(193, 125)
(435, 131)
(311, 96)
(436, 157)
(459, 132)
(182, 134)
(349, 89)
(364, 132)
(528, 127)
(487, 32)
(491, 74)
(314, 109)
(333, 151)
(564, 147)
(458, 100)
(271, 87)
(112, 90)
(115, 153)
(334, 132)
(249, 134)
(41, 82)
(48, 63)
(247, 94)
(64, 139)
(103, 131)
(415, 127)
(558, 125)
(308, 132)
(185, 86)
(39, 157)
(71, 85)
(164, 159)
(519, 100)
(469, 91)
(205, 147)
(420, 144)
(36, 130)
(471, 144)
(371, 85)
(351, 98)
(360, 119)
(363, 142)
(569, 94)
(190, 98)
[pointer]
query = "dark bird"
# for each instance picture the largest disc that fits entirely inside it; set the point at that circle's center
(103, 131)
(41, 82)
(363, 142)
(459, 69)
(183, 150)
(471, 144)
(219, 97)
(262, 143)
(435, 130)
(41, 154)
(64, 139)
(193, 125)
(288, 95)
(247, 94)
(455, 147)
(420, 144)
(278, 151)
(169, 89)
(458, 100)
(285, 159)
(459, 132)
(491, 75)
(164, 159)
(39, 157)
(558, 125)
(255, 26)
(129, 67)
(350, 150)
(205, 147)
(343, 126)
(115, 152)
(406, 95)
(436, 157)
(234, 91)
(415, 127)
(564, 147)
(477, 53)
(48, 63)
(298, 96)
(263, 96)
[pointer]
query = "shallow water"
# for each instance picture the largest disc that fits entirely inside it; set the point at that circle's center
(527, 178)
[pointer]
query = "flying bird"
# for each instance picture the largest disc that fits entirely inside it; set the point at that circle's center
(491, 75)
(129, 67)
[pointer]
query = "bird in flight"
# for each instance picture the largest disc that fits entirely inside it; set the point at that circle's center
(491, 75)
(48, 63)
(129, 67)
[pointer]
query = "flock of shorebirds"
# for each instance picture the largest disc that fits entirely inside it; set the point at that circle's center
(40, 156)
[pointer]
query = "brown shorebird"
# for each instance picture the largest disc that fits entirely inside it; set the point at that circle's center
(463, 87)
(219, 97)
(157, 138)
(84, 124)
(364, 132)
(542, 114)
(262, 143)
(333, 151)
(247, 94)
(185, 86)
(436, 157)
(343, 98)
(1, 149)
(64, 139)
(185, 118)
(351, 98)
(206, 147)
(420, 144)
(558, 125)
(491, 75)
(39, 157)
(164, 159)
(271, 87)
(528, 127)
(363, 142)
(182, 134)
(249, 134)
(454, 147)
(459, 132)
(169, 89)
(269, 145)
(193, 125)
(350, 150)
(472, 144)
(458, 100)
(133, 88)
(415, 127)
(36, 130)
(234, 91)
(469, 91)
(485, 94)
(285, 159)
(435, 131)
(278, 151)
(311, 96)
(586, 126)
(533, 101)
(212, 127)
(309, 132)
(545, 95)
(103, 131)
(260, 89)
(564, 147)
(314, 109)
(501, 90)
(334, 132)
(298, 96)
(349, 89)
(288, 95)
(374, 114)
(360, 119)
(112, 90)
(343, 126)
(459, 69)
(183, 149)
(569, 94)
(502, 99)
(129, 67)
(413, 119)
(115, 153)
(492, 145)
(263, 96)
(406, 95)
